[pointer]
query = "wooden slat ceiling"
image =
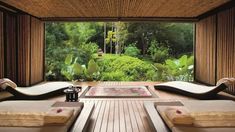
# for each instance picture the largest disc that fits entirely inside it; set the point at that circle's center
(115, 8)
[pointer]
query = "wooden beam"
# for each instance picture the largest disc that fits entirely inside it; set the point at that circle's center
(96, 19)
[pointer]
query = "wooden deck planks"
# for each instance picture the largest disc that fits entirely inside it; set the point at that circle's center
(111, 117)
(95, 115)
(121, 117)
(132, 117)
(117, 118)
(118, 115)
(137, 116)
(99, 119)
(127, 117)
(105, 117)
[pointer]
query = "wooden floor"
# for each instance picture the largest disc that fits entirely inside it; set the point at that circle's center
(118, 115)
(122, 114)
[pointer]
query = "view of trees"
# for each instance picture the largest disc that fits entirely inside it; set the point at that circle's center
(132, 51)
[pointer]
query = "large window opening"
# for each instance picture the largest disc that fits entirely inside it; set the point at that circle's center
(119, 51)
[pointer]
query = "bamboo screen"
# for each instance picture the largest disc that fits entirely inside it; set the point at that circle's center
(215, 48)
(115, 8)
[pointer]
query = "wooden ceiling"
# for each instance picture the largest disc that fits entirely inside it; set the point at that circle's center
(115, 8)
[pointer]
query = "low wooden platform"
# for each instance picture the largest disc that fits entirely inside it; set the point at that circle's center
(125, 114)
(119, 115)
(122, 114)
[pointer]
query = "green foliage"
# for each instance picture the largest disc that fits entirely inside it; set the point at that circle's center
(132, 50)
(80, 32)
(72, 70)
(115, 76)
(124, 68)
(70, 48)
(178, 37)
(176, 69)
(158, 52)
(121, 36)
(110, 37)
(85, 51)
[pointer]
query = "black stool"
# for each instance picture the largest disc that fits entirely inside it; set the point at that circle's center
(72, 93)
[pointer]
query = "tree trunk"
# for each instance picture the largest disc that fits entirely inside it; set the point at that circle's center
(117, 38)
(111, 42)
(143, 44)
(104, 37)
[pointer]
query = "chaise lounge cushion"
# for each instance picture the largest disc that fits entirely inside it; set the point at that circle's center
(41, 113)
(36, 92)
(205, 114)
(156, 115)
(196, 90)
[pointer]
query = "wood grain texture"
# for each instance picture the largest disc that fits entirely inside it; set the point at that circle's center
(122, 115)
(215, 48)
(205, 55)
(37, 51)
(10, 43)
(30, 50)
(23, 50)
(115, 8)
(226, 46)
(2, 53)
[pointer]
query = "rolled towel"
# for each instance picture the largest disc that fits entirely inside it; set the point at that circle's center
(4, 82)
(58, 115)
(179, 115)
(227, 81)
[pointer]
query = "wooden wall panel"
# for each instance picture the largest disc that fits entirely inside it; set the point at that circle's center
(215, 48)
(10, 43)
(23, 50)
(226, 45)
(205, 50)
(37, 50)
(30, 50)
(1, 47)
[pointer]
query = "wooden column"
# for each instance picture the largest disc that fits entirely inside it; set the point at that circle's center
(2, 56)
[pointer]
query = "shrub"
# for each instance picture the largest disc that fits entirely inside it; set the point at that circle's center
(55, 63)
(124, 68)
(72, 70)
(158, 52)
(132, 50)
(176, 69)
(85, 51)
